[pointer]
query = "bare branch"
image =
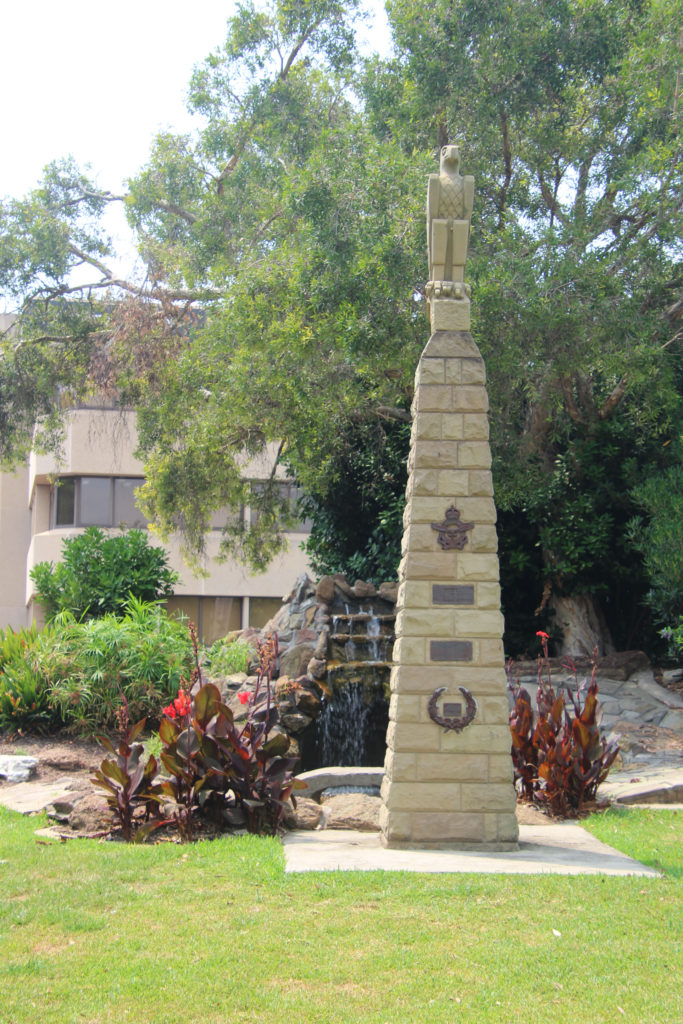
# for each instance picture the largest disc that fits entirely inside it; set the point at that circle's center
(507, 162)
(613, 401)
(390, 412)
(177, 210)
(301, 41)
(550, 200)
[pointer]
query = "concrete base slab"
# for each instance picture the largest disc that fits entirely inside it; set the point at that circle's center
(559, 849)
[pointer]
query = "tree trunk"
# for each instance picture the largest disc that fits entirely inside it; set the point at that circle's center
(583, 624)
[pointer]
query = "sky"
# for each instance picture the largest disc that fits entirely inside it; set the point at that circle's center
(98, 81)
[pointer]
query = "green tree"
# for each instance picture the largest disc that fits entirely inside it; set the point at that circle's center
(283, 243)
(570, 117)
(98, 575)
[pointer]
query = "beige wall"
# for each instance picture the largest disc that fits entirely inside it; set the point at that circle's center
(100, 443)
(15, 534)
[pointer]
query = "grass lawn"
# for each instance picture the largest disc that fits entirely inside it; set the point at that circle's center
(216, 932)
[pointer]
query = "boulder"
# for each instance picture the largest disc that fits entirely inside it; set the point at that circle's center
(294, 662)
(389, 592)
(307, 702)
(17, 767)
(325, 590)
(362, 589)
(356, 811)
(317, 667)
(91, 814)
(295, 721)
(306, 814)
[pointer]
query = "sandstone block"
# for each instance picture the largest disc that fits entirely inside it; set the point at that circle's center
(433, 510)
(418, 537)
(494, 739)
(422, 678)
(432, 622)
(439, 567)
(427, 426)
(477, 567)
(405, 708)
(410, 650)
(451, 344)
(491, 652)
(470, 399)
(450, 314)
(478, 510)
(452, 426)
(473, 371)
(433, 796)
(424, 482)
(453, 371)
(500, 768)
(451, 767)
(474, 455)
(453, 483)
(409, 738)
(400, 767)
(501, 828)
(438, 454)
(396, 827)
(493, 709)
(476, 622)
(415, 593)
(476, 427)
(480, 483)
(489, 796)
(430, 371)
(442, 827)
(484, 681)
(433, 398)
(488, 595)
(484, 540)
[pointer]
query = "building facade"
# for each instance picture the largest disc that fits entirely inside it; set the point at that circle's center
(95, 484)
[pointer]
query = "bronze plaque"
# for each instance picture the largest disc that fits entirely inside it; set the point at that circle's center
(451, 710)
(450, 650)
(442, 594)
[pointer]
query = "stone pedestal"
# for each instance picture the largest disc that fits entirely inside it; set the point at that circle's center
(448, 779)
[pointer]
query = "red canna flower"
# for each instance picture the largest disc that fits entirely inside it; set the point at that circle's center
(243, 698)
(169, 711)
(543, 636)
(182, 704)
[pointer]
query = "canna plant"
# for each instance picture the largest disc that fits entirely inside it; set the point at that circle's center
(129, 780)
(217, 769)
(560, 757)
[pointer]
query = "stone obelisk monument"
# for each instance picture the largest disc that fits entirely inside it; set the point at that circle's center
(448, 778)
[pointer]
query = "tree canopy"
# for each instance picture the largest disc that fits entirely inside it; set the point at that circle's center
(283, 243)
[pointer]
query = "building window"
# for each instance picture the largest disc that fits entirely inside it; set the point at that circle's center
(214, 617)
(97, 501)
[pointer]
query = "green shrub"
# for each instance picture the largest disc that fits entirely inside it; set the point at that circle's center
(98, 573)
(88, 666)
(24, 702)
(228, 656)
